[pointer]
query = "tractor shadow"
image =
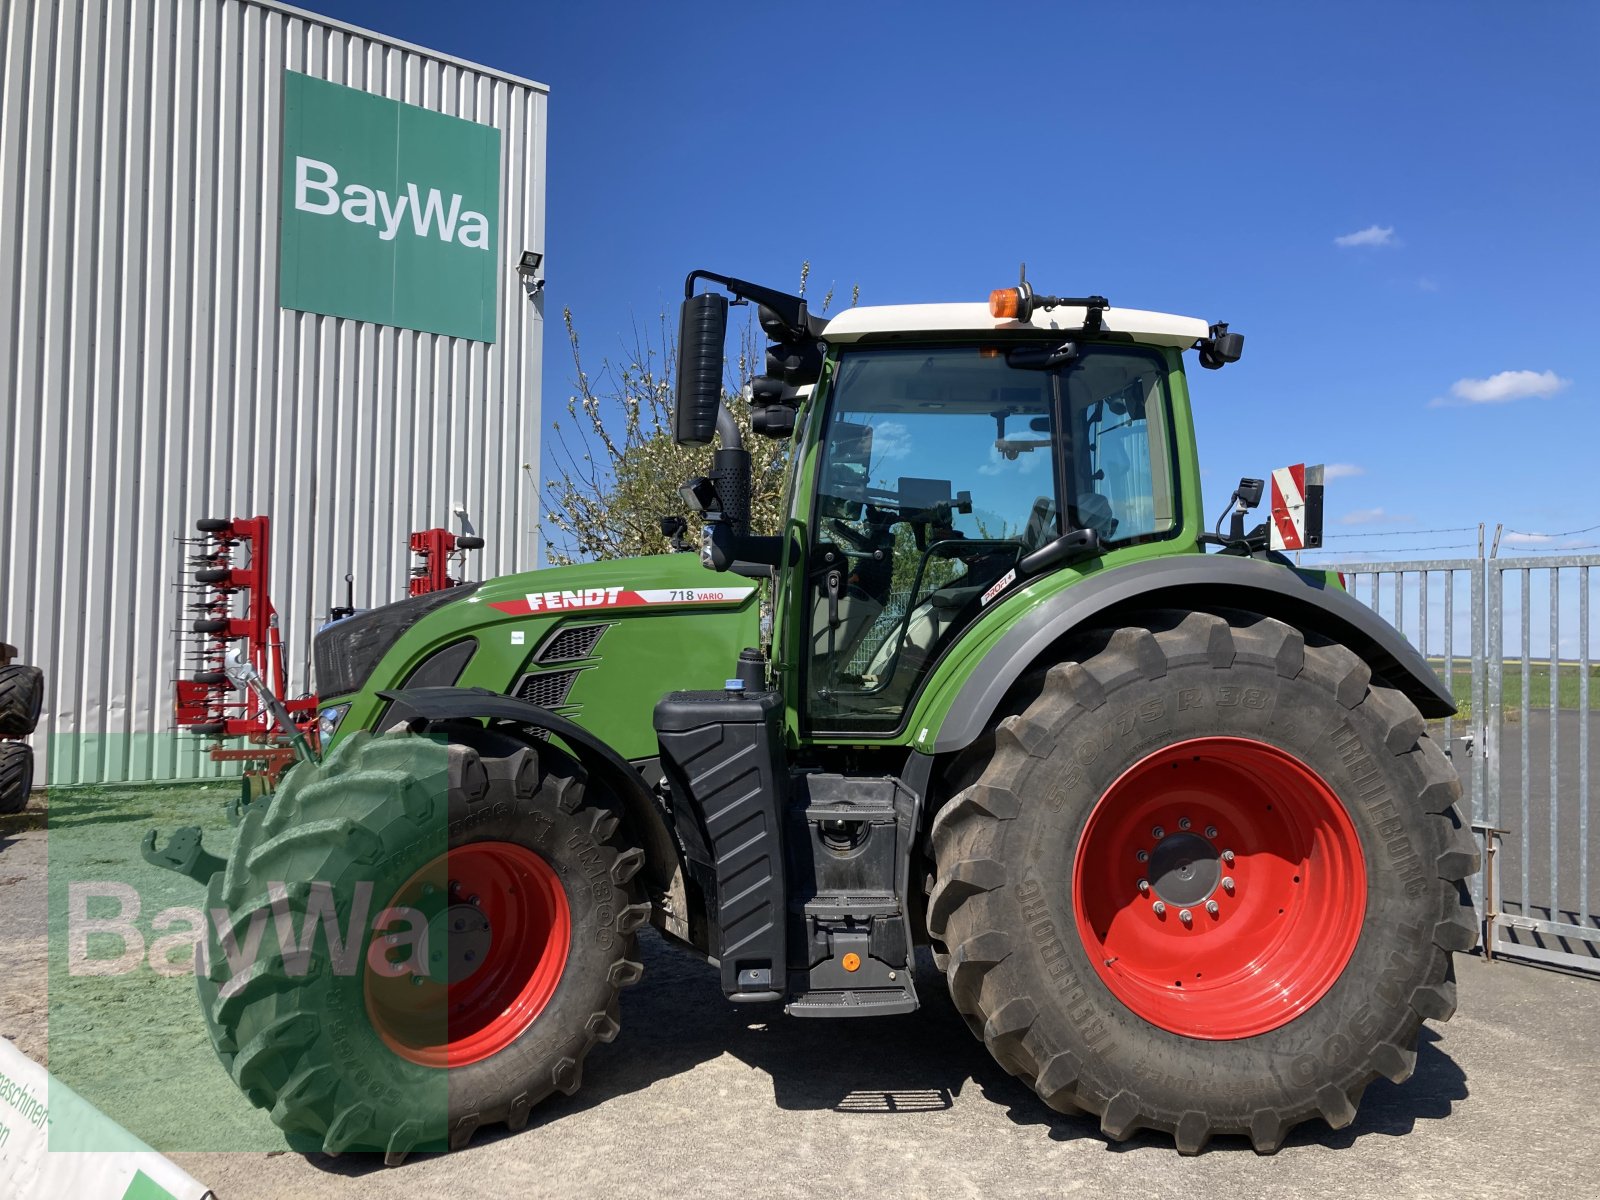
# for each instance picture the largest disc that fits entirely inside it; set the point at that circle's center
(678, 1019)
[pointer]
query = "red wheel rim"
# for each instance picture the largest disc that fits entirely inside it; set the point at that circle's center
(499, 928)
(1257, 850)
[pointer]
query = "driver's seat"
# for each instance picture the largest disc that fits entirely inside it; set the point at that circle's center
(1043, 526)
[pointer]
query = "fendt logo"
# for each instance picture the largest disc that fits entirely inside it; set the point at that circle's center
(317, 190)
(388, 212)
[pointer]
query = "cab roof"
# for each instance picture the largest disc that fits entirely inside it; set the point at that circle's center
(1153, 328)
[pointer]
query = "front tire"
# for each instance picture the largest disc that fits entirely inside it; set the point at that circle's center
(392, 1044)
(1111, 957)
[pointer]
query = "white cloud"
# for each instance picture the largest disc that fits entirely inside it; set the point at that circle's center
(890, 440)
(1528, 539)
(1425, 284)
(1373, 516)
(1332, 471)
(1502, 388)
(1023, 464)
(1372, 235)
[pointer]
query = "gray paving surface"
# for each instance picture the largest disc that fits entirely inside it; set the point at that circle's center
(697, 1098)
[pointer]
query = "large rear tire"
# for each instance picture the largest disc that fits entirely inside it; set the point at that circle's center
(531, 914)
(1209, 882)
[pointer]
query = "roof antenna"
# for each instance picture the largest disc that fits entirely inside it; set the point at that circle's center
(1022, 274)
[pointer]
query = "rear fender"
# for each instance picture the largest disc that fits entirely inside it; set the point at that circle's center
(1203, 582)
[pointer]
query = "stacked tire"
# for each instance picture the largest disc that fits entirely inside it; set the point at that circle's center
(21, 698)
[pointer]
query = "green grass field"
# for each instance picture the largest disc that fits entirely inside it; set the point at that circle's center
(1568, 683)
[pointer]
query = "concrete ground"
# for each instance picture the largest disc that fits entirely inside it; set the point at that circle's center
(697, 1097)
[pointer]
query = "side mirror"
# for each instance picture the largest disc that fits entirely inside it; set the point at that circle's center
(702, 329)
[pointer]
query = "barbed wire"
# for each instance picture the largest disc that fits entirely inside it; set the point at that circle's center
(1384, 533)
(1568, 533)
(1390, 549)
(1516, 548)
(1519, 547)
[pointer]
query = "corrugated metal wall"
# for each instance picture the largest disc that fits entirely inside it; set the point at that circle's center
(151, 378)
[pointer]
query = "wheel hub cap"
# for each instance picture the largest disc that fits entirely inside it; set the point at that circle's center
(1185, 869)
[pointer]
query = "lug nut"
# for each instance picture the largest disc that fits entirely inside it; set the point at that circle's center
(1186, 917)
(1227, 883)
(1211, 908)
(1211, 831)
(1144, 887)
(1158, 833)
(1159, 909)
(1143, 856)
(1227, 857)
(418, 981)
(1183, 822)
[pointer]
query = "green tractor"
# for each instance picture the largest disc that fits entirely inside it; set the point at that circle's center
(1164, 807)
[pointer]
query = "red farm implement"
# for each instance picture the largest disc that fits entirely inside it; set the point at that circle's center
(237, 684)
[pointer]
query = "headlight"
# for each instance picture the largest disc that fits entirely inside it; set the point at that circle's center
(328, 723)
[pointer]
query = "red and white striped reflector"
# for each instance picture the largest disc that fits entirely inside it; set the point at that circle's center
(1289, 507)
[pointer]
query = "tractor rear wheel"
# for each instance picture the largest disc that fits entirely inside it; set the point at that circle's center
(21, 699)
(16, 776)
(392, 1040)
(1209, 882)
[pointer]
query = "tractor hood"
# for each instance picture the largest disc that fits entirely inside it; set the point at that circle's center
(597, 642)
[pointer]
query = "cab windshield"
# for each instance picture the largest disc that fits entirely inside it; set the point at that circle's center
(941, 467)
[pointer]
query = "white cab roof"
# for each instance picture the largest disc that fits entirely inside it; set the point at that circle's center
(1161, 329)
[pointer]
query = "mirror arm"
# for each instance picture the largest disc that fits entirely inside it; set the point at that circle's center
(721, 549)
(1069, 547)
(728, 429)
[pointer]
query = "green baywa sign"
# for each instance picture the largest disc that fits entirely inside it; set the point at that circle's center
(390, 213)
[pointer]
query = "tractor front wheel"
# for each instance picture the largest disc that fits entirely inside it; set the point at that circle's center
(1209, 882)
(422, 938)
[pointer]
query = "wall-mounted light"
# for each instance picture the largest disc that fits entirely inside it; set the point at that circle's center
(528, 269)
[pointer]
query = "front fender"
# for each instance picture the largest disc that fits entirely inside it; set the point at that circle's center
(663, 870)
(1204, 582)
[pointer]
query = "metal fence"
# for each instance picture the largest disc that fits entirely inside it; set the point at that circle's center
(1513, 638)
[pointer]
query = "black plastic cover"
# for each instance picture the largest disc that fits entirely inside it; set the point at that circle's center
(722, 753)
(346, 652)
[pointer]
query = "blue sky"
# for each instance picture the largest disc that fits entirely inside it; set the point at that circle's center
(1395, 203)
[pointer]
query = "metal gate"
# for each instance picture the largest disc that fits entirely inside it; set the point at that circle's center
(1514, 639)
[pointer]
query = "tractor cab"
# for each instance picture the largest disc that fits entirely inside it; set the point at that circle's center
(946, 455)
